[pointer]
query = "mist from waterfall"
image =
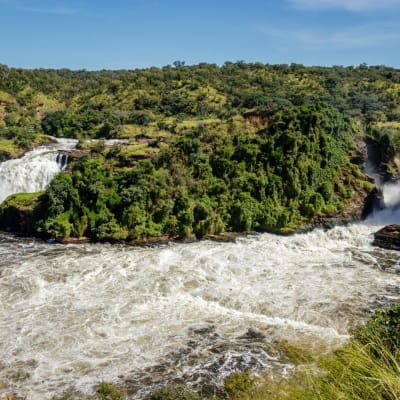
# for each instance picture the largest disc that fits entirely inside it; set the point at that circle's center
(390, 211)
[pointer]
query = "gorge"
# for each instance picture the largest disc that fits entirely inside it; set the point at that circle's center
(199, 151)
(74, 315)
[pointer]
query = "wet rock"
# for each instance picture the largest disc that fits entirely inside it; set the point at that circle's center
(252, 334)
(373, 202)
(70, 240)
(75, 154)
(388, 237)
(203, 330)
(4, 155)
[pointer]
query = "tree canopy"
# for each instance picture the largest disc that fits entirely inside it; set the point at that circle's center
(209, 149)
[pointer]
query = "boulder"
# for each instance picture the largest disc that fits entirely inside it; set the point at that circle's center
(16, 213)
(388, 237)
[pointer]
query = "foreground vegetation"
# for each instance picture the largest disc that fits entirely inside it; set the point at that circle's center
(366, 368)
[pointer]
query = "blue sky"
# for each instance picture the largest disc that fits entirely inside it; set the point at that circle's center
(125, 34)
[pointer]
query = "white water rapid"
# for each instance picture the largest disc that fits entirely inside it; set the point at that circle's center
(34, 171)
(74, 315)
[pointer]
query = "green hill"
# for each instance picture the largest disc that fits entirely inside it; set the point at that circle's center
(209, 149)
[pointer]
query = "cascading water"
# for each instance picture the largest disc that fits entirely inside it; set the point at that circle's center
(74, 315)
(62, 160)
(35, 170)
(390, 214)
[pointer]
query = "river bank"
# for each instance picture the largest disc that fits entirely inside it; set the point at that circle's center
(16, 216)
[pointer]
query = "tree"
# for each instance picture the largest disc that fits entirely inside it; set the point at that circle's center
(178, 64)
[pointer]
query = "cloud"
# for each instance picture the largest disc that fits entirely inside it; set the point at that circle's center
(360, 37)
(346, 5)
(347, 39)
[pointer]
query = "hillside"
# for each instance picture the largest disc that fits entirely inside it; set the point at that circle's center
(210, 149)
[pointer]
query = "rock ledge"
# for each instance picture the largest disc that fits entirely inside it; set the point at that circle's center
(388, 237)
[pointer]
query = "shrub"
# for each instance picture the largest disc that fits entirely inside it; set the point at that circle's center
(108, 391)
(385, 325)
(178, 392)
(366, 368)
(237, 383)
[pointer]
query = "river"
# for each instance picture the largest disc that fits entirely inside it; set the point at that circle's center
(74, 315)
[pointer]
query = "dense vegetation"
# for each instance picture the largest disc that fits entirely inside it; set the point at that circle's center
(207, 182)
(209, 149)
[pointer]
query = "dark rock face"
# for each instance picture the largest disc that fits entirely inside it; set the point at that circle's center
(14, 219)
(16, 213)
(4, 156)
(373, 202)
(388, 237)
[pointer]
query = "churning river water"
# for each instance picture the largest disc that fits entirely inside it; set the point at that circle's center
(74, 315)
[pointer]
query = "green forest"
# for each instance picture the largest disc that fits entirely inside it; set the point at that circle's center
(206, 149)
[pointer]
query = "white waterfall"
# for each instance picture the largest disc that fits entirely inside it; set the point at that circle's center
(391, 201)
(35, 170)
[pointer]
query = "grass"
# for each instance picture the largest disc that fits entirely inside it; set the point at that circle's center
(23, 201)
(138, 150)
(8, 146)
(194, 123)
(4, 96)
(366, 368)
(12, 150)
(153, 131)
(351, 373)
(49, 103)
(130, 131)
(104, 391)
(388, 124)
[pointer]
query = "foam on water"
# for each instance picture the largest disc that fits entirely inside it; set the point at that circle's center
(72, 315)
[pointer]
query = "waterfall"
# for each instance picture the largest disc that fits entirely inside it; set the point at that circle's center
(62, 160)
(391, 195)
(35, 170)
(390, 213)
